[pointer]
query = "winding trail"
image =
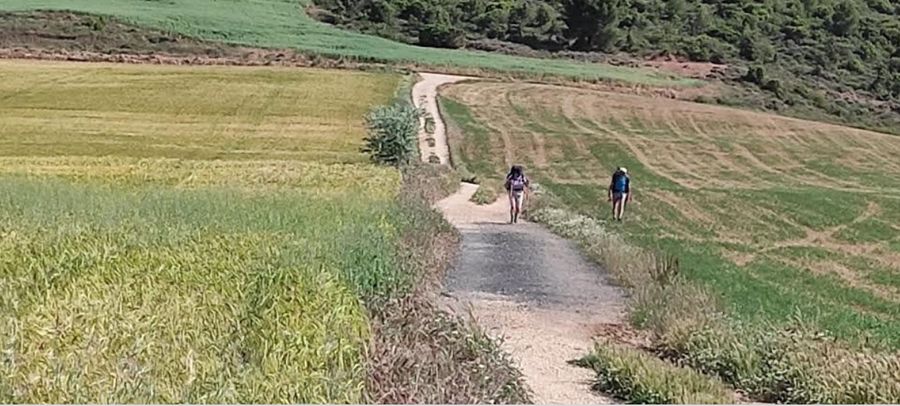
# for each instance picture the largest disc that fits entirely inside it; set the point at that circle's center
(424, 95)
(526, 285)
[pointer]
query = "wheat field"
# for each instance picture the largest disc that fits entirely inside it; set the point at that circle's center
(174, 234)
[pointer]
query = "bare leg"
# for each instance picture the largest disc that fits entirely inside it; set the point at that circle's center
(622, 208)
(512, 207)
(518, 207)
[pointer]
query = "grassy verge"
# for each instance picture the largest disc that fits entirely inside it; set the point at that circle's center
(639, 377)
(283, 24)
(771, 363)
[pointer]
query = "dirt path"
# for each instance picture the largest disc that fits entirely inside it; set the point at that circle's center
(522, 283)
(534, 290)
(424, 94)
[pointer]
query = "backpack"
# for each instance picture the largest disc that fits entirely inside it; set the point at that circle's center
(620, 182)
(517, 183)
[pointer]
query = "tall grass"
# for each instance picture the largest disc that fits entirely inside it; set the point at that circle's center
(163, 295)
(283, 24)
(641, 378)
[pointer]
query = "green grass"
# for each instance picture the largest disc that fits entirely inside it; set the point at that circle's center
(282, 23)
(191, 235)
(706, 192)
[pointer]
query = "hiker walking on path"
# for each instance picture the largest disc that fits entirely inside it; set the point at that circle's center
(619, 192)
(516, 186)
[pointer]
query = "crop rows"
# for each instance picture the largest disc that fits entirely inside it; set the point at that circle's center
(190, 235)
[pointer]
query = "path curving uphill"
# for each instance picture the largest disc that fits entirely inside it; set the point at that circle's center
(424, 95)
(524, 284)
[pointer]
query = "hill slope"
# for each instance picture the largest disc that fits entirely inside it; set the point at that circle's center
(774, 214)
(282, 23)
(838, 59)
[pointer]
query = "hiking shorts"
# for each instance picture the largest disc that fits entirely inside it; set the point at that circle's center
(617, 196)
(516, 198)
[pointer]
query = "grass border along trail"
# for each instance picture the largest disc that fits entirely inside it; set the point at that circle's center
(283, 24)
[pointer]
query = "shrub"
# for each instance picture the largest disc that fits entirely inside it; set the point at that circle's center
(392, 133)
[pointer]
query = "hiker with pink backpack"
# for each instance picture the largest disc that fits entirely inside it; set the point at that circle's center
(516, 186)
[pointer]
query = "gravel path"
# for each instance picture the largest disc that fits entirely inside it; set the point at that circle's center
(424, 94)
(522, 283)
(533, 289)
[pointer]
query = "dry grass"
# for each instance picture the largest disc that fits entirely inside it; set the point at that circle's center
(192, 113)
(640, 378)
(313, 177)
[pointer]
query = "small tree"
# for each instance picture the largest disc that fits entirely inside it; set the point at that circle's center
(392, 133)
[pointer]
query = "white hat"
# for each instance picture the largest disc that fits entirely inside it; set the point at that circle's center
(622, 168)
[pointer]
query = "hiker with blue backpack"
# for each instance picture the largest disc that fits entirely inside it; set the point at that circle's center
(619, 192)
(516, 186)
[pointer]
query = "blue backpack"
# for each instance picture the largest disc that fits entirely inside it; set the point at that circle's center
(620, 182)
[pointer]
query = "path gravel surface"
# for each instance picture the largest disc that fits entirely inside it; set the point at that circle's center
(424, 94)
(535, 291)
(522, 283)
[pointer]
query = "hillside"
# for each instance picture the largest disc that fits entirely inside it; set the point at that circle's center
(775, 214)
(284, 24)
(750, 236)
(838, 60)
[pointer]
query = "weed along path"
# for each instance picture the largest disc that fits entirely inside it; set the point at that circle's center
(524, 284)
(424, 94)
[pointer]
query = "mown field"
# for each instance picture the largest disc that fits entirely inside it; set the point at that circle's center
(284, 24)
(189, 235)
(781, 218)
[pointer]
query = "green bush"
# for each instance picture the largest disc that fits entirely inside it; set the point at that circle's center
(442, 35)
(392, 133)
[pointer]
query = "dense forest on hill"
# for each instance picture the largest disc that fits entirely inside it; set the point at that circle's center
(837, 57)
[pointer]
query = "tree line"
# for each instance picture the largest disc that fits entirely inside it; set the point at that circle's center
(838, 45)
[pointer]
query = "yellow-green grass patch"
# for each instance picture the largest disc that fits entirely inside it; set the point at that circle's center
(65, 109)
(174, 234)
